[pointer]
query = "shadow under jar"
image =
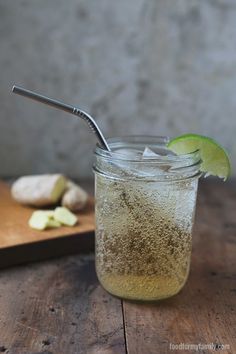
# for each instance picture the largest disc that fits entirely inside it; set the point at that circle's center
(144, 216)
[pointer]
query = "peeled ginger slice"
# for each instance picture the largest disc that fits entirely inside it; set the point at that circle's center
(65, 216)
(41, 220)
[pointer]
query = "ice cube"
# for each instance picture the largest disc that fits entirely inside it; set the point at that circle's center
(133, 168)
(129, 153)
(149, 153)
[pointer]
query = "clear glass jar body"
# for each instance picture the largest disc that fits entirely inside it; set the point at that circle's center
(144, 218)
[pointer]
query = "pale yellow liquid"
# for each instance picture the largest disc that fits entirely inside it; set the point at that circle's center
(140, 287)
(143, 238)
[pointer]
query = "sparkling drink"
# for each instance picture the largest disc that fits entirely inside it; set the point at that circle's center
(144, 217)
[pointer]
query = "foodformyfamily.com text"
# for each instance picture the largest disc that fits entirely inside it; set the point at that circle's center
(199, 346)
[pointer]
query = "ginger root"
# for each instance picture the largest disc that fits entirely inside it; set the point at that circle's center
(39, 190)
(43, 219)
(65, 217)
(74, 197)
(47, 219)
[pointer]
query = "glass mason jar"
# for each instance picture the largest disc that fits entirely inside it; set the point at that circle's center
(144, 216)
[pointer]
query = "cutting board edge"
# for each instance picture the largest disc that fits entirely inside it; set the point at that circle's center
(45, 249)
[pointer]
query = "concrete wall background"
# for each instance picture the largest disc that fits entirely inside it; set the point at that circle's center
(139, 66)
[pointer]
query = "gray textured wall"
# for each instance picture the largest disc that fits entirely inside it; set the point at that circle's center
(139, 66)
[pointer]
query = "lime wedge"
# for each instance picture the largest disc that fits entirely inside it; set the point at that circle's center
(215, 160)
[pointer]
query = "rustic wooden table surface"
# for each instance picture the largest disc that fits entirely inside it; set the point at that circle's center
(59, 307)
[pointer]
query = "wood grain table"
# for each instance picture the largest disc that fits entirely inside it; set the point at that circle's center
(58, 306)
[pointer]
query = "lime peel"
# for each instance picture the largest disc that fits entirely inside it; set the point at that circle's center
(215, 159)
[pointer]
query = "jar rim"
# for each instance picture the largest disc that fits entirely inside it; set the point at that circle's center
(165, 167)
(149, 141)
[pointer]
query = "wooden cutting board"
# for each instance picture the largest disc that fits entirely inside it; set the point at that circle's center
(19, 243)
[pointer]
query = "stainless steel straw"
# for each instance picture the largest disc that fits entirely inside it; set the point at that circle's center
(65, 107)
